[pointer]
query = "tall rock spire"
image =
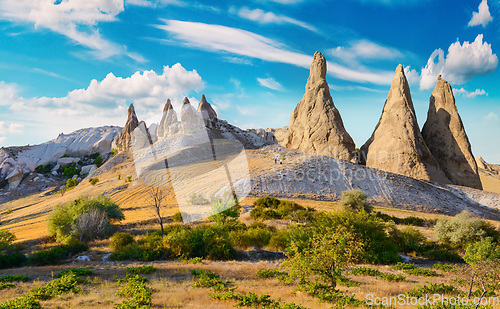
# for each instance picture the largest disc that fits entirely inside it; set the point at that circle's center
(169, 118)
(122, 141)
(396, 144)
(445, 136)
(315, 125)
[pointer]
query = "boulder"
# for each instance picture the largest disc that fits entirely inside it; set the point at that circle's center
(445, 136)
(122, 141)
(396, 144)
(315, 125)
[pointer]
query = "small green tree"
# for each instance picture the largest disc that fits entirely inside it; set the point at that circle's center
(355, 201)
(325, 256)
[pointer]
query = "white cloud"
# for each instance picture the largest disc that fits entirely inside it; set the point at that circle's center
(412, 75)
(364, 49)
(244, 43)
(74, 19)
(10, 128)
(468, 94)
(491, 117)
(462, 63)
(482, 16)
(262, 17)
(270, 83)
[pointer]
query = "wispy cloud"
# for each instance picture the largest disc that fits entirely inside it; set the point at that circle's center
(270, 83)
(217, 38)
(468, 94)
(462, 63)
(76, 20)
(482, 16)
(262, 17)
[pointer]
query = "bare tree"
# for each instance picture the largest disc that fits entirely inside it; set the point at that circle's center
(156, 206)
(91, 224)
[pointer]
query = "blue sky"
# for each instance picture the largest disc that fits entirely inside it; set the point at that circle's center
(70, 64)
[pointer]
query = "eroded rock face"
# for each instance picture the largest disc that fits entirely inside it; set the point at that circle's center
(208, 113)
(122, 141)
(445, 136)
(168, 119)
(396, 144)
(315, 125)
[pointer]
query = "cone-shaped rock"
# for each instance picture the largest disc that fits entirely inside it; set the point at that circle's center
(315, 125)
(396, 144)
(445, 136)
(169, 118)
(206, 110)
(122, 141)
(190, 118)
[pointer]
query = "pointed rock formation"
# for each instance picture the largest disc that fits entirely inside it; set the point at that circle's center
(190, 118)
(207, 112)
(122, 141)
(444, 134)
(169, 118)
(396, 144)
(315, 125)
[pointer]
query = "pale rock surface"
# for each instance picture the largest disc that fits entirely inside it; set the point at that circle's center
(444, 135)
(167, 123)
(396, 144)
(315, 125)
(122, 141)
(16, 162)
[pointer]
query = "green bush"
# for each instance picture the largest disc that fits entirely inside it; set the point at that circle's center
(253, 237)
(10, 253)
(94, 181)
(24, 302)
(463, 229)
(137, 294)
(77, 271)
(83, 219)
(177, 217)
(55, 255)
(266, 208)
(355, 201)
(120, 240)
(71, 183)
(141, 270)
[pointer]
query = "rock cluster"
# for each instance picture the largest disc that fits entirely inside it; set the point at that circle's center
(445, 136)
(315, 125)
(396, 144)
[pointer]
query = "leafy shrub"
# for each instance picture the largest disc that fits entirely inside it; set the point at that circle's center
(94, 181)
(83, 219)
(71, 183)
(13, 278)
(98, 161)
(150, 247)
(253, 237)
(77, 271)
(177, 217)
(120, 240)
(141, 270)
(24, 302)
(65, 284)
(408, 239)
(268, 207)
(355, 201)
(463, 229)
(137, 294)
(55, 255)
(10, 253)
(443, 267)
